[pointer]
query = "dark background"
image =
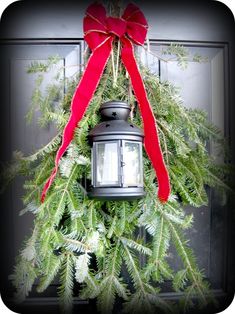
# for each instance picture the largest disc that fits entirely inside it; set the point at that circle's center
(34, 30)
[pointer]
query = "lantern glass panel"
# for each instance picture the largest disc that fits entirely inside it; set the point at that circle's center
(132, 169)
(107, 164)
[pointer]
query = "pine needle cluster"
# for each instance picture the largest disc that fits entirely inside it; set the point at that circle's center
(92, 244)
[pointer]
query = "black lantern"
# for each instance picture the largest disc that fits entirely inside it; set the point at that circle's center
(117, 165)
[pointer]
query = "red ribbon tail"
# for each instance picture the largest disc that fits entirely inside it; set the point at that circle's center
(151, 141)
(81, 99)
(48, 184)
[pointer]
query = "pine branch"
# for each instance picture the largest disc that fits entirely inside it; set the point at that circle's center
(181, 53)
(217, 181)
(189, 261)
(37, 66)
(145, 299)
(181, 146)
(60, 197)
(111, 284)
(36, 98)
(121, 223)
(48, 237)
(92, 219)
(180, 280)
(183, 191)
(23, 278)
(160, 246)
(82, 267)
(30, 207)
(92, 288)
(76, 245)
(136, 246)
(133, 271)
(112, 227)
(53, 267)
(65, 290)
(50, 147)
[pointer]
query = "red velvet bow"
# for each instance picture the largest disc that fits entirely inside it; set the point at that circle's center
(98, 27)
(99, 33)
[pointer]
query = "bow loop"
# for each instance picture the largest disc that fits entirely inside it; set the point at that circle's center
(136, 32)
(97, 12)
(133, 14)
(137, 25)
(94, 23)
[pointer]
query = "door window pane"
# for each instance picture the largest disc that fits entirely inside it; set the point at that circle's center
(107, 163)
(132, 168)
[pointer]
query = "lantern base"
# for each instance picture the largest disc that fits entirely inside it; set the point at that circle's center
(115, 194)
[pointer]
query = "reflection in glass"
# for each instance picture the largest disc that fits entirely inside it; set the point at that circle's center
(132, 170)
(107, 163)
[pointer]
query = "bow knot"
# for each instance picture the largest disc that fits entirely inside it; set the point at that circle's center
(116, 26)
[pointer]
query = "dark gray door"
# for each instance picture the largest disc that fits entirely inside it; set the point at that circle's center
(34, 32)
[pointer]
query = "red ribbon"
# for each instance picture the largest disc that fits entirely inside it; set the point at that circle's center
(99, 33)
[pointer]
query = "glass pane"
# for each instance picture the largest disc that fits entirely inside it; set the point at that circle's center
(107, 164)
(132, 169)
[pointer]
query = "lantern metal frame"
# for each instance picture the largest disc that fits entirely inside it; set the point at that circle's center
(116, 129)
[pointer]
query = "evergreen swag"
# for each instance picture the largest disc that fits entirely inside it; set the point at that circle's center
(91, 242)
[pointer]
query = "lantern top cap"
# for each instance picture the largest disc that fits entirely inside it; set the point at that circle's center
(115, 125)
(115, 104)
(115, 110)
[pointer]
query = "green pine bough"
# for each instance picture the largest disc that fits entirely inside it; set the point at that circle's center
(87, 243)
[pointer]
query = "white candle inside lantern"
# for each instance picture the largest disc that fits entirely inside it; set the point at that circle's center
(107, 164)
